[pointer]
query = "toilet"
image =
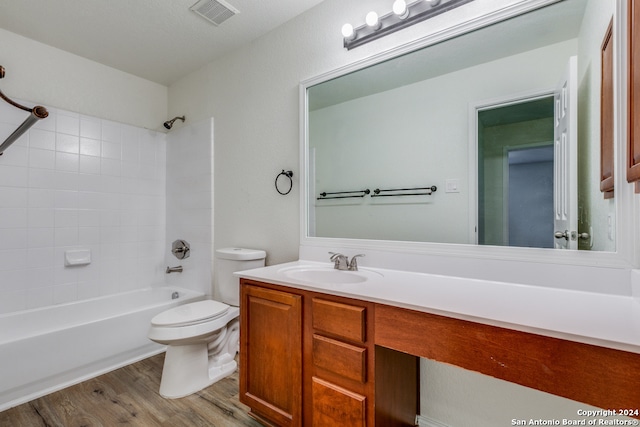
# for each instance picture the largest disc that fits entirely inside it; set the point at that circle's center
(202, 337)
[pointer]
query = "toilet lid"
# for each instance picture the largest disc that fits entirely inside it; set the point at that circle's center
(189, 314)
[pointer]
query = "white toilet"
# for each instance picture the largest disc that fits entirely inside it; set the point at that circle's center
(202, 337)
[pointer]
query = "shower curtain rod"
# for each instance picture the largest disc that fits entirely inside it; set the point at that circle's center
(37, 113)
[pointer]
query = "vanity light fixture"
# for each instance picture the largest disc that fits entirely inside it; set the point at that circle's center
(372, 20)
(401, 16)
(347, 32)
(400, 9)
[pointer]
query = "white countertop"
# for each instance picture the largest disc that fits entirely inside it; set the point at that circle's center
(594, 318)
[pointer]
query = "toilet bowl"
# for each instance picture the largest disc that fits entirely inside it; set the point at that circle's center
(202, 337)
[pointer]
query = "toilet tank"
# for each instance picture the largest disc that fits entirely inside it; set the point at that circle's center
(230, 260)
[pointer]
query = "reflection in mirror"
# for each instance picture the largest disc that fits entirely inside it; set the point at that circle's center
(487, 118)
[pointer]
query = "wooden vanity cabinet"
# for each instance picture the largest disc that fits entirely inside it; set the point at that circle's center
(309, 359)
(340, 356)
(271, 354)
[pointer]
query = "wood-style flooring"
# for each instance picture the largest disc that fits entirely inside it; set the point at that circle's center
(129, 396)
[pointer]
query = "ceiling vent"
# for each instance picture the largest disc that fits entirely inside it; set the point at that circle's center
(214, 11)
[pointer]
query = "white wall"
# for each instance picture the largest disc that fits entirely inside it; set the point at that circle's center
(50, 76)
(78, 182)
(253, 95)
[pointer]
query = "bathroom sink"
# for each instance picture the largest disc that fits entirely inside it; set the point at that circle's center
(328, 275)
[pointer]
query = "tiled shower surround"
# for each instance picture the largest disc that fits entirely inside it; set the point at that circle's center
(79, 182)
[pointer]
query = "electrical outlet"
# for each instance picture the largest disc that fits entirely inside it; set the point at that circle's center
(452, 186)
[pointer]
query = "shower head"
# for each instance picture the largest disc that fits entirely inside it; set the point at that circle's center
(169, 123)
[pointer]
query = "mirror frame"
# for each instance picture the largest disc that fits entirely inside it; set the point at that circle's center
(623, 257)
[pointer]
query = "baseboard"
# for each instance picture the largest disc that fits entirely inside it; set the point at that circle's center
(424, 421)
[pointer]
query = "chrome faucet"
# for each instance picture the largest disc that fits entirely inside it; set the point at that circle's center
(341, 262)
(177, 269)
(353, 264)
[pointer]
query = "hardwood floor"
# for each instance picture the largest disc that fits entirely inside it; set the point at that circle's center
(130, 396)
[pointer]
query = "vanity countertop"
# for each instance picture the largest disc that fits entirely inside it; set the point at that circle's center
(611, 321)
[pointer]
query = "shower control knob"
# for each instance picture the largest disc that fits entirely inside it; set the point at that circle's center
(180, 249)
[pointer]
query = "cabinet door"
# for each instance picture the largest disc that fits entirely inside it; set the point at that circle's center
(271, 354)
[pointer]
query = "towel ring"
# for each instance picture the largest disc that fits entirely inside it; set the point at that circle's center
(288, 174)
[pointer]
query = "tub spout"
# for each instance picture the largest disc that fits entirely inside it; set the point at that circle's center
(177, 269)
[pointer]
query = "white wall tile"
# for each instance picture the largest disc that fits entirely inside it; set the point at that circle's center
(110, 167)
(13, 238)
(40, 277)
(90, 147)
(65, 293)
(41, 178)
(41, 159)
(89, 217)
(14, 176)
(39, 297)
(90, 182)
(111, 132)
(40, 217)
(13, 280)
(67, 162)
(13, 301)
(42, 139)
(90, 127)
(13, 217)
(40, 257)
(16, 155)
(67, 123)
(65, 199)
(40, 237)
(111, 150)
(13, 259)
(65, 181)
(66, 218)
(80, 181)
(13, 197)
(67, 143)
(89, 165)
(40, 198)
(88, 236)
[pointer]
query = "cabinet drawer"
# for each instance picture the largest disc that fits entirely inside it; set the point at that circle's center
(336, 406)
(342, 320)
(341, 358)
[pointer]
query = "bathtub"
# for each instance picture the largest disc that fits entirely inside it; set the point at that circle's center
(46, 349)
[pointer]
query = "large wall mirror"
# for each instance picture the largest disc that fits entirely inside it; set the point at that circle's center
(491, 137)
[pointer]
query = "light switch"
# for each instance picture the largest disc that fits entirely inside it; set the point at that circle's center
(452, 186)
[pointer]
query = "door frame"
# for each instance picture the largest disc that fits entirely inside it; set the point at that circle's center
(475, 108)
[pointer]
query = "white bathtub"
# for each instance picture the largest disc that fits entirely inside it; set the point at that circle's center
(46, 349)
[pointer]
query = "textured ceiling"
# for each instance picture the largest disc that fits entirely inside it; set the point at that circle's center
(159, 40)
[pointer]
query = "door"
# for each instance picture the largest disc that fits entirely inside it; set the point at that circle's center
(566, 159)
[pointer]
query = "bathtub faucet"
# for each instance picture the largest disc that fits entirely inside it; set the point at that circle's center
(177, 269)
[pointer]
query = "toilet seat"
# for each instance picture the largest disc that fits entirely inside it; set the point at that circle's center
(190, 324)
(190, 314)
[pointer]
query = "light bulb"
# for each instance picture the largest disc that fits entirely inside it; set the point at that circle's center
(347, 31)
(400, 9)
(372, 20)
